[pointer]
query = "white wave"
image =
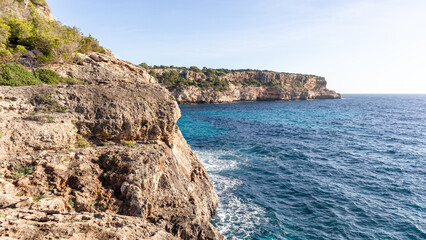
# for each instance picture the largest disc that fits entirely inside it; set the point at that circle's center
(213, 163)
(223, 184)
(237, 218)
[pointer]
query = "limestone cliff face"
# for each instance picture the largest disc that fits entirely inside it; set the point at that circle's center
(99, 161)
(271, 86)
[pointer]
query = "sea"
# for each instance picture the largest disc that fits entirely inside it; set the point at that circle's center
(350, 168)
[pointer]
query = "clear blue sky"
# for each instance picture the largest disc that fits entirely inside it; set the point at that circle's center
(360, 46)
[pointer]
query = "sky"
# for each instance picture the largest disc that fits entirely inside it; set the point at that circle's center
(359, 46)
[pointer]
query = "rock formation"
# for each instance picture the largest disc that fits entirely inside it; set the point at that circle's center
(99, 161)
(248, 85)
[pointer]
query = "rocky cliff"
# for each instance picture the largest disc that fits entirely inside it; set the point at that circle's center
(224, 86)
(103, 159)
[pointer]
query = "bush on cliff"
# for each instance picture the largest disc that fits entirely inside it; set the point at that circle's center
(274, 83)
(153, 73)
(195, 69)
(173, 81)
(51, 77)
(16, 75)
(251, 82)
(145, 65)
(218, 84)
(49, 40)
(210, 72)
(12, 74)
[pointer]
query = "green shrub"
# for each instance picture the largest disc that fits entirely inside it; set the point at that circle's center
(153, 73)
(71, 203)
(129, 143)
(48, 76)
(90, 44)
(38, 198)
(144, 65)
(251, 82)
(81, 142)
(195, 69)
(297, 84)
(274, 83)
(71, 81)
(39, 2)
(20, 171)
(52, 78)
(12, 74)
(52, 40)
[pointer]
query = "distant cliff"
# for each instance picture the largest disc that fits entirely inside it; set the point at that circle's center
(223, 86)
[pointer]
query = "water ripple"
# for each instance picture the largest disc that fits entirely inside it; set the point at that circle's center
(330, 169)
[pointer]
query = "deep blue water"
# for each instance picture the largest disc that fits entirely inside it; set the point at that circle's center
(353, 168)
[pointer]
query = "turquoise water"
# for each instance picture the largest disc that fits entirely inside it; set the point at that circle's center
(353, 168)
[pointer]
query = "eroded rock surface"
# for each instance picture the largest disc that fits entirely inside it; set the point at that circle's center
(98, 68)
(99, 162)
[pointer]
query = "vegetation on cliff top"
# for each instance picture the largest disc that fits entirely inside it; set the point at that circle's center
(204, 70)
(49, 40)
(173, 81)
(213, 78)
(175, 78)
(12, 74)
